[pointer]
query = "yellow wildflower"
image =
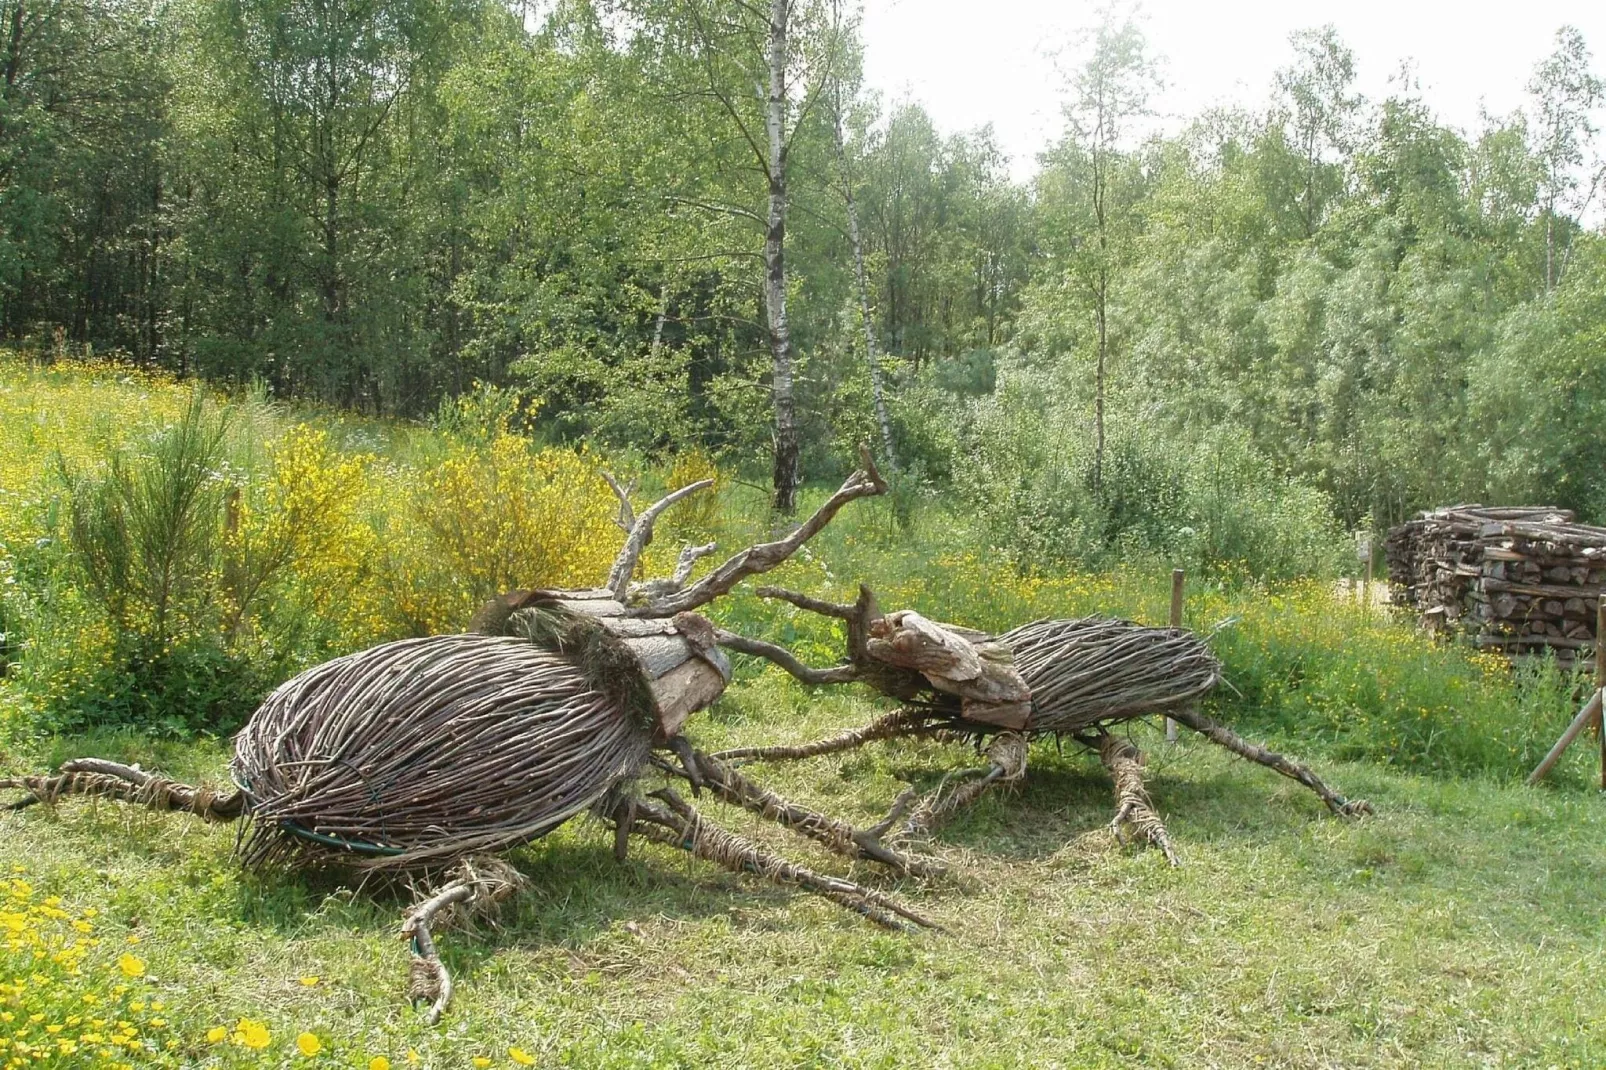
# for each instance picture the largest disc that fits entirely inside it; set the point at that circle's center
(309, 981)
(379, 1062)
(308, 1044)
(251, 1034)
(481, 1061)
(131, 965)
(216, 1034)
(520, 1056)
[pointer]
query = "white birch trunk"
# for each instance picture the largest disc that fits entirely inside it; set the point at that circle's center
(786, 431)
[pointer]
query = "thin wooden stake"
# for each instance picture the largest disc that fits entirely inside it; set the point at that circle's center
(1586, 717)
(1178, 577)
(1600, 684)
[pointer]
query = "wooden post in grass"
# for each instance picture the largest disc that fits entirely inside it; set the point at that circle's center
(1592, 715)
(1177, 579)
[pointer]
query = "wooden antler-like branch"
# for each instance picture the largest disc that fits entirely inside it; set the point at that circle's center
(840, 674)
(864, 483)
(624, 566)
(860, 666)
(839, 610)
(689, 556)
(627, 512)
(859, 616)
(652, 590)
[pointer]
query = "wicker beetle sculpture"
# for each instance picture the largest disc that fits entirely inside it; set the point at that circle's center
(1073, 679)
(420, 759)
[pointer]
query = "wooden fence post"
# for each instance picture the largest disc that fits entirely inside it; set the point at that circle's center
(1177, 579)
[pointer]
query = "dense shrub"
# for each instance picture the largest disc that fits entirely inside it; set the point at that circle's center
(1027, 465)
(163, 571)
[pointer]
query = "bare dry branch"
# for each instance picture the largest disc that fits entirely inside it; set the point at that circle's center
(841, 674)
(839, 610)
(864, 483)
(627, 512)
(624, 566)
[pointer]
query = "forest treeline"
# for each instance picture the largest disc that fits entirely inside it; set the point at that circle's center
(665, 224)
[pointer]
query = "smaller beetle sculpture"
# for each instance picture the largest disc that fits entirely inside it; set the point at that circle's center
(1073, 679)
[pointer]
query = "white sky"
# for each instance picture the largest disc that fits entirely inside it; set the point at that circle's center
(971, 63)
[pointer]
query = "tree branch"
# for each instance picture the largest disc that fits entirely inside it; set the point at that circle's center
(758, 648)
(626, 520)
(839, 610)
(725, 209)
(624, 566)
(864, 483)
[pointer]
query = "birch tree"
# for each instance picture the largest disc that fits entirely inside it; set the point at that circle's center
(1565, 93)
(1106, 94)
(765, 65)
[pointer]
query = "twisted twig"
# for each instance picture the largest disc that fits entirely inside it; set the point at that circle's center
(128, 783)
(1226, 737)
(836, 836)
(677, 824)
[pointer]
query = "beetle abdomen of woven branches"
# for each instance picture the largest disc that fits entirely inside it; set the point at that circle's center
(419, 752)
(1097, 670)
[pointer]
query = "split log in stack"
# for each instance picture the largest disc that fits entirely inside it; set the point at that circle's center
(1520, 580)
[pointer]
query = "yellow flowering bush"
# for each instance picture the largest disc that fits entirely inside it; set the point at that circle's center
(301, 547)
(698, 515)
(504, 516)
(301, 525)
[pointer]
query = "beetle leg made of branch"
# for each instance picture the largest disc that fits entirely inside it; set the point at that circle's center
(1007, 752)
(1132, 803)
(1226, 737)
(672, 821)
(127, 783)
(478, 882)
(836, 836)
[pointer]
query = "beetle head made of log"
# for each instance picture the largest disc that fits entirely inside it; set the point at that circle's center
(674, 650)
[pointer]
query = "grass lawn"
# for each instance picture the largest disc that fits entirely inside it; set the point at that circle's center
(1461, 926)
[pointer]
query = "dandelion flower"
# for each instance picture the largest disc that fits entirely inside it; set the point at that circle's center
(520, 1056)
(481, 1061)
(216, 1034)
(310, 981)
(308, 1044)
(379, 1062)
(131, 965)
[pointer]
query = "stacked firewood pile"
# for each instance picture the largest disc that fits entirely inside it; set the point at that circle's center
(1519, 579)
